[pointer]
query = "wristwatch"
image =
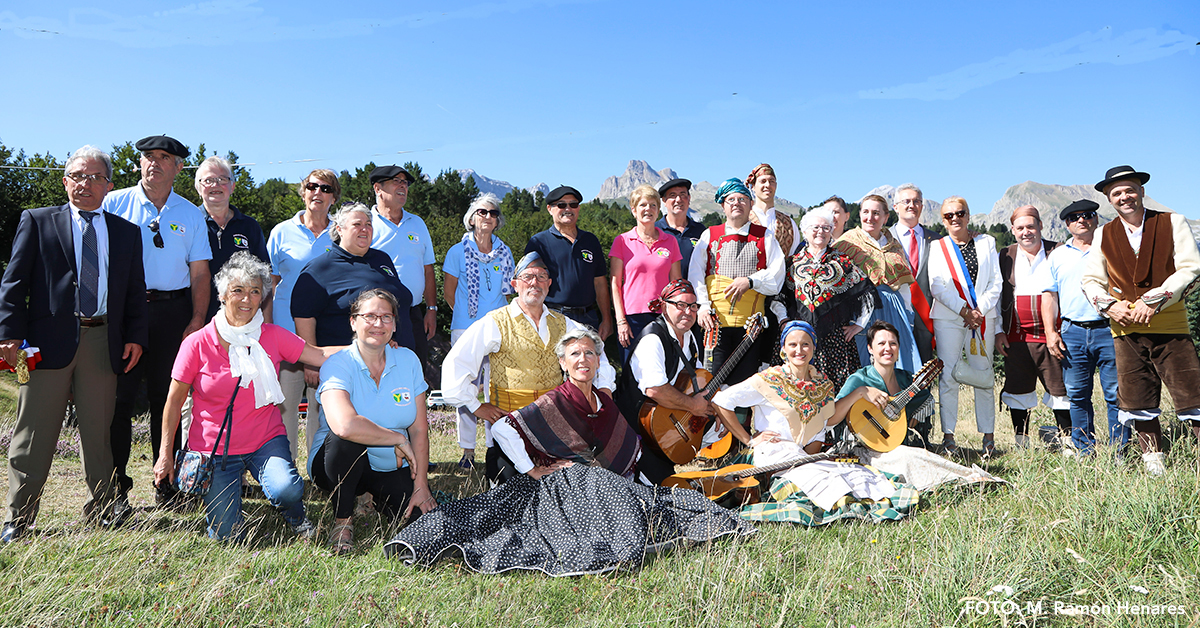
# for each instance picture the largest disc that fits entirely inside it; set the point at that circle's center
(432, 308)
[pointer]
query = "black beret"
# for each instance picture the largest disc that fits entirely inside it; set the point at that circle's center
(384, 173)
(662, 189)
(1120, 173)
(1078, 206)
(557, 193)
(164, 143)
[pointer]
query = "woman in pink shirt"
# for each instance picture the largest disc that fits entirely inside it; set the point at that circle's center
(237, 347)
(642, 261)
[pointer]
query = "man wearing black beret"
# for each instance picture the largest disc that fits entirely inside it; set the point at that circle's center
(175, 255)
(1081, 339)
(1148, 263)
(575, 260)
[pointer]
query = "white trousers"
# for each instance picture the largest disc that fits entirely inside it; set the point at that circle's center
(951, 337)
(468, 425)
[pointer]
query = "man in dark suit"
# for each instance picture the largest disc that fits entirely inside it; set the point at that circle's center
(75, 289)
(909, 203)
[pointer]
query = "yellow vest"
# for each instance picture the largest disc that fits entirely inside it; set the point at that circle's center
(524, 368)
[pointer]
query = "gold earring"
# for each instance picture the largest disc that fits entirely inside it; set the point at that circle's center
(783, 354)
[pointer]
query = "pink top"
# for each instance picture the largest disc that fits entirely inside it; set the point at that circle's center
(204, 364)
(647, 268)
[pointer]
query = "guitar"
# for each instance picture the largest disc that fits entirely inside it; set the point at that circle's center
(677, 433)
(883, 430)
(740, 477)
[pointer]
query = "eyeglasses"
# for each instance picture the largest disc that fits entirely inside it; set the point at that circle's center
(158, 241)
(494, 213)
(386, 319)
(79, 177)
(211, 181)
(1088, 215)
(532, 278)
(564, 205)
(958, 214)
(691, 307)
(909, 201)
(324, 187)
(821, 228)
(737, 200)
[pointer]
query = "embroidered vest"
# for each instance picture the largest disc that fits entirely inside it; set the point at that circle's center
(523, 362)
(785, 229)
(732, 256)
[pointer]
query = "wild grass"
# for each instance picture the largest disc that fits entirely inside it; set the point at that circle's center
(1074, 531)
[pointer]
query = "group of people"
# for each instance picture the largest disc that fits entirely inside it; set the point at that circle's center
(337, 308)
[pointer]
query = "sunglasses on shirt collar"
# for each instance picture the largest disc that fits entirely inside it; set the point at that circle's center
(158, 241)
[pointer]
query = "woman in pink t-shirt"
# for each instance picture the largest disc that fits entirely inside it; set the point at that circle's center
(238, 344)
(642, 261)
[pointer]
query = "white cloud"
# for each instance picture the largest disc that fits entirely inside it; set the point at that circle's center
(1099, 47)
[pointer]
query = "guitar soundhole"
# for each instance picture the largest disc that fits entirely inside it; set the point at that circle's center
(696, 424)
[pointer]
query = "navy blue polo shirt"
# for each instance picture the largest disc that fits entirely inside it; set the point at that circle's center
(573, 266)
(241, 233)
(687, 239)
(331, 281)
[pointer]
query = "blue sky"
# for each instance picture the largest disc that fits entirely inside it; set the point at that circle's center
(839, 97)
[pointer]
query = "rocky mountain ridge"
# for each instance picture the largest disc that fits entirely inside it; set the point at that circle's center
(499, 188)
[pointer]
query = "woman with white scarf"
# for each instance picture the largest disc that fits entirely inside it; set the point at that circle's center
(237, 351)
(478, 278)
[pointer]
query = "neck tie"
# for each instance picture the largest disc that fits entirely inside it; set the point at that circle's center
(913, 259)
(89, 274)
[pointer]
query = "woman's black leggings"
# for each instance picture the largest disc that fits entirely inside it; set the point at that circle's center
(342, 468)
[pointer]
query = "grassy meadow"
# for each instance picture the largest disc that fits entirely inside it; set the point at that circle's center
(1066, 532)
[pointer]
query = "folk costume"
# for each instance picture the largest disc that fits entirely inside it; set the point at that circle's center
(1157, 263)
(830, 292)
(884, 263)
(1028, 359)
(722, 255)
(587, 518)
(816, 493)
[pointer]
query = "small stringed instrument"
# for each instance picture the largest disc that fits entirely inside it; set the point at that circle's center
(883, 430)
(740, 477)
(677, 433)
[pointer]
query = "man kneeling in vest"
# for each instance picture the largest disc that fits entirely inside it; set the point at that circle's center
(519, 339)
(1148, 262)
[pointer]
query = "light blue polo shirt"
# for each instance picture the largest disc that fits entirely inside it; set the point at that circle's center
(184, 234)
(1064, 275)
(493, 285)
(291, 246)
(409, 246)
(391, 405)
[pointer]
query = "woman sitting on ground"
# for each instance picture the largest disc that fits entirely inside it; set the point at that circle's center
(238, 353)
(792, 405)
(574, 506)
(372, 434)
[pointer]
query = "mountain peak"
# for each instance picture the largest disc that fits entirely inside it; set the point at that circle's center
(637, 173)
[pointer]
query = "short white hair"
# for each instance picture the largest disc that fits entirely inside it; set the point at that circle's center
(813, 215)
(342, 218)
(486, 199)
(88, 152)
(243, 266)
(214, 162)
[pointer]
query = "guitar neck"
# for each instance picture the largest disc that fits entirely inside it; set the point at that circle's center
(727, 368)
(787, 464)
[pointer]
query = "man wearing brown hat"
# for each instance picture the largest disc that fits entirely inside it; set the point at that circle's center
(175, 254)
(1022, 337)
(1148, 262)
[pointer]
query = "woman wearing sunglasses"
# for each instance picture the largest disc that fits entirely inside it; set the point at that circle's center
(478, 274)
(964, 278)
(291, 245)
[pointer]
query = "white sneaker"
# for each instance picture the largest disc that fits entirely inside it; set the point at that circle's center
(1022, 441)
(1155, 463)
(1067, 445)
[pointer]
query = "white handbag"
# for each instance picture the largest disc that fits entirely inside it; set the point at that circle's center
(978, 378)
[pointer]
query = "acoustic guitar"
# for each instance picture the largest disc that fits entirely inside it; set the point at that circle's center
(740, 477)
(677, 433)
(884, 429)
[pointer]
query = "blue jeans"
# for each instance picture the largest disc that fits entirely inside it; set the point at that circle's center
(1088, 351)
(272, 467)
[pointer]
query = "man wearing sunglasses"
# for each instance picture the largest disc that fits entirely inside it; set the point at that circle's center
(405, 238)
(1022, 332)
(667, 347)
(519, 340)
(175, 254)
(1147, 264)
(576, 263)
(1081, 340)
(74, 289)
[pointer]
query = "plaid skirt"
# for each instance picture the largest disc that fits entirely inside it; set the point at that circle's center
(789, 504)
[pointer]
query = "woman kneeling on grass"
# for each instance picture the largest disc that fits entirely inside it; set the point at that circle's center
(576, 505)
(793, 405)
(238, 349)
(372, 423)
